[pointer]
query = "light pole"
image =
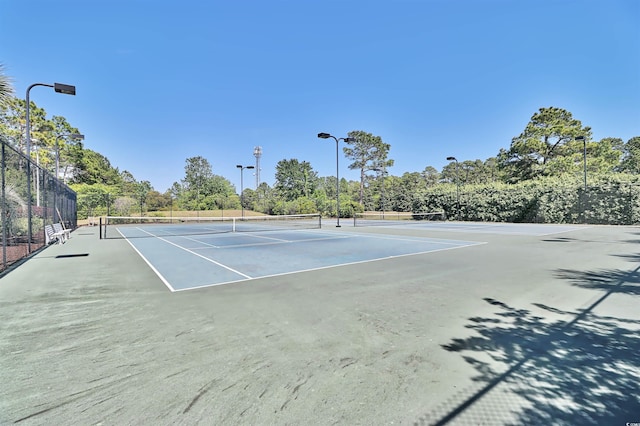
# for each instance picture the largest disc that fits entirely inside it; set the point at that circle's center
(584, 159)
(382, 172)
(457, 186)
(327, 136)
(241, 167)
(59, 88)
(55, 189)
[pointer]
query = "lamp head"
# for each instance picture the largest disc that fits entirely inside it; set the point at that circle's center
(451, 159)
(324, 135)
(66, 89)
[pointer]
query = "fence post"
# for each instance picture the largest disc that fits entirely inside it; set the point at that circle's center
(3, 212)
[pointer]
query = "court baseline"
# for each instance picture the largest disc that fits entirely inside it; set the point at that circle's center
(189, 262)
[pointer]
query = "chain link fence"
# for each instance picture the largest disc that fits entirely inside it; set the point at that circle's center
(30, 198)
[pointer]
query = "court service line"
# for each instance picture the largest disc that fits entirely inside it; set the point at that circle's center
(268, 238)
(413, 239)
(470, 244)
(561, 232)
(199, 255)
(198, 241)
(271, 243)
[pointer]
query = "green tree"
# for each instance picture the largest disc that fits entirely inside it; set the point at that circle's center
(492, 170)
(96, 168)
(450, 173)
(294, 179)
(70, 151)
(12, 121)
(128, 184)
(44, 133)
(367, 152)
(6, 86)
(630, 161)
(604, 157)
(470, 172)
(157, 201)
(219, 186)
(265, 198)
(545, 139)
(198, 172)
(90, 197)
(249, 198)
(430, 175)
(143, 189)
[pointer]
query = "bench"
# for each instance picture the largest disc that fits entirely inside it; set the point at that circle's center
(57, 227)
(53, 236)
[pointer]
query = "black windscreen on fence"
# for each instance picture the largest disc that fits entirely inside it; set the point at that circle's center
(30, 198)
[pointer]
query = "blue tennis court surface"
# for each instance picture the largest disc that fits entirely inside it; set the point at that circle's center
(533, 229)
(196, 261)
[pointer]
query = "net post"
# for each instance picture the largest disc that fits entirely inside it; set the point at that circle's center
(319, 221)
(233, 226)
(100, 229)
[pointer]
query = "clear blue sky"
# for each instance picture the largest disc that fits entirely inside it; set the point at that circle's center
(160, 81)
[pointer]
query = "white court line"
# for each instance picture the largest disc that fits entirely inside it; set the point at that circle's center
(561, 232)
(415, 239)
(270, 243)
(267, 238)
(330, 266)
(196, 254)
(162, 278)
(275, 240)
(503, 228)
(198, 241)
(331, 236)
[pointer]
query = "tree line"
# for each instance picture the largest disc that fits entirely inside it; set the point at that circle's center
(553, 144)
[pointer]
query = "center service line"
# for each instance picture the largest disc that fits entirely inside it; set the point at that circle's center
(199, 255)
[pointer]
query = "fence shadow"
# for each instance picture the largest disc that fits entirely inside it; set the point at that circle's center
(580, 368)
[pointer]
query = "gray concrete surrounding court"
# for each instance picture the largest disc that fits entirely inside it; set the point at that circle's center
(525, 329)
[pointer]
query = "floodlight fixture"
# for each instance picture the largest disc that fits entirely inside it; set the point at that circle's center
(65, 89)
(327, 136)
(59, 88)
(241, 167)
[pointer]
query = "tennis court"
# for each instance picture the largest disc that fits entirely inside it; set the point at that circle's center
(436, 222)
(189, 254)
(424, 324)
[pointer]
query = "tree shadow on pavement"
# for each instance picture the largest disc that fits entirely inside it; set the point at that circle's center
(551, 366)
(604, 280)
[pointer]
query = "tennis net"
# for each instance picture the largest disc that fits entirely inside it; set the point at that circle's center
(395, 218)
(138, 227)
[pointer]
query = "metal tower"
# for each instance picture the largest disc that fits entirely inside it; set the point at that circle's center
(257, 152)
